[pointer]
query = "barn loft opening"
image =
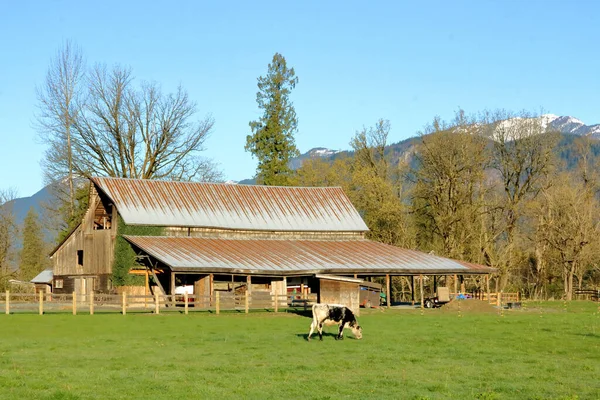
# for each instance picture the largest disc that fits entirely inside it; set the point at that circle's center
(102, 217)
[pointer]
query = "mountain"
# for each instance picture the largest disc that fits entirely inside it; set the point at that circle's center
(570, 127)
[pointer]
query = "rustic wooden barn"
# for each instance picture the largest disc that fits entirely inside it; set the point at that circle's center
(227, 236)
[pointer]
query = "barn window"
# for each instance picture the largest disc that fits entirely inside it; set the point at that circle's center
(80, 258)
(58, 284)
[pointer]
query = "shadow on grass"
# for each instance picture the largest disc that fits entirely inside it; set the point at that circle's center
(315, 335)
(300, 311)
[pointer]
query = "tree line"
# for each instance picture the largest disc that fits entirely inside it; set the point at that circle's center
(486, 188)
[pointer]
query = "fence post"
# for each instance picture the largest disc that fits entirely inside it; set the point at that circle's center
(498, 301)
(156, 304)
(91, 302)
(124, 303)
(41, 298)
(7, 302)
(276, 302)
(217, 302)
(185, 300)
(246, 301)
(74, 303)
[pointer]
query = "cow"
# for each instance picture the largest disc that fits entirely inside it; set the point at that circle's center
(333, 314)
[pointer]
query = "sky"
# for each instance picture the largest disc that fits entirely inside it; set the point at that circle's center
(356, 62)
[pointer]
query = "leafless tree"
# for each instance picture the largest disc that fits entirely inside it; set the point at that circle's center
(56, 115)
(523, 159)
(123, 131)
(8, 232)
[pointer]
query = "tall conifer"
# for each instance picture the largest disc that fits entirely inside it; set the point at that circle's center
(272, 139)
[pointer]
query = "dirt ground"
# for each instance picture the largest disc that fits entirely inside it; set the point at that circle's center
(469, 305)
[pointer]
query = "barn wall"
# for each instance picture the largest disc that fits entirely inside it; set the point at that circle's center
(97, 246)
(241, 234)
(339, 292)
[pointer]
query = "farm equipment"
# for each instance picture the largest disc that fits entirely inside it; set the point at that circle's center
(442, 297)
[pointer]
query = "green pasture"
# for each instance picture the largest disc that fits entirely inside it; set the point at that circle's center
(545, 351)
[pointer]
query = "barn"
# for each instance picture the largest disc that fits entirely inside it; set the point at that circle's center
(207, 235)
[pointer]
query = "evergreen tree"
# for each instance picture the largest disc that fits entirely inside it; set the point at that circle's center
(32, 260)
(272, 139)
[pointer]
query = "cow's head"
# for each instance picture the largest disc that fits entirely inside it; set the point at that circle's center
(356, 330)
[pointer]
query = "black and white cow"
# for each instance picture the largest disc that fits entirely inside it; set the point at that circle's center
(333, 314)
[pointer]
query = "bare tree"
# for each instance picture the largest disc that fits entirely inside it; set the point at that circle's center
(450, 187)
(8, 232)
(140, 133)
(569, 226)
(56, 115)
(523, 158)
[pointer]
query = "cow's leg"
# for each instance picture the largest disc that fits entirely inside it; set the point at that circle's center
(341, 331)
(321, 331)
(312, 329)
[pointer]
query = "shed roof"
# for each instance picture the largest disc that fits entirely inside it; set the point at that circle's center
(46, 276)
(231, 206)
(294, 257)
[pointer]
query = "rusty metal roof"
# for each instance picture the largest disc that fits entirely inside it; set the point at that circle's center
(294, 257)
(231, 206)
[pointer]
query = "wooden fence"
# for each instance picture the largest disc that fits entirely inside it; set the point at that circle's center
(44, 303)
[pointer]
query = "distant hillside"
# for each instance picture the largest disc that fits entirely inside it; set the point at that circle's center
(404, 150)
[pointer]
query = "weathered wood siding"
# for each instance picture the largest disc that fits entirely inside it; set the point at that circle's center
(339, 292)
(97, 246)
(242, 234)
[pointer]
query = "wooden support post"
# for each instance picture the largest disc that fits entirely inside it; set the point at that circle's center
(147, 288)
(422, 291)
(499, 299)
(246, 301)
(355, 276)
(388, 293)
(91, 302)
(41, 300)
(7, 305)
(211, 279)
(74, 303)
(302, 291)
(172, 289)
(124, 303)
(487, 287)
(276, 302)
(412, 289)
(217, 302)
(185, 301)
(156, 304)
(455, 284)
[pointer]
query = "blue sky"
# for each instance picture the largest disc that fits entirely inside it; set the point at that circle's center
(356, 62)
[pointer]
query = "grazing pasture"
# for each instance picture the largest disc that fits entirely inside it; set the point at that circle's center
(544, 351)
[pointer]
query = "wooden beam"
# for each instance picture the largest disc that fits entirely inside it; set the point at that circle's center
(157, 281)
(249, 284)
(421, 289)
(172, 289)
(388, 294)
(455, 284)
(412, 288)
(211, 278)
(487, 287)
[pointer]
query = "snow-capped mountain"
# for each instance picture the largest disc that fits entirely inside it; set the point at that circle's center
(572, 125)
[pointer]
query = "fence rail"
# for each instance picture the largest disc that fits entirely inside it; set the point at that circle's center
(91, 303)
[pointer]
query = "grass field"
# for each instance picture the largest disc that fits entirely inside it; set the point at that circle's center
(547, 351)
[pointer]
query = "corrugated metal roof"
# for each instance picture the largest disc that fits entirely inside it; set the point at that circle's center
(231, 206)
(45, 276)
(288, 257)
